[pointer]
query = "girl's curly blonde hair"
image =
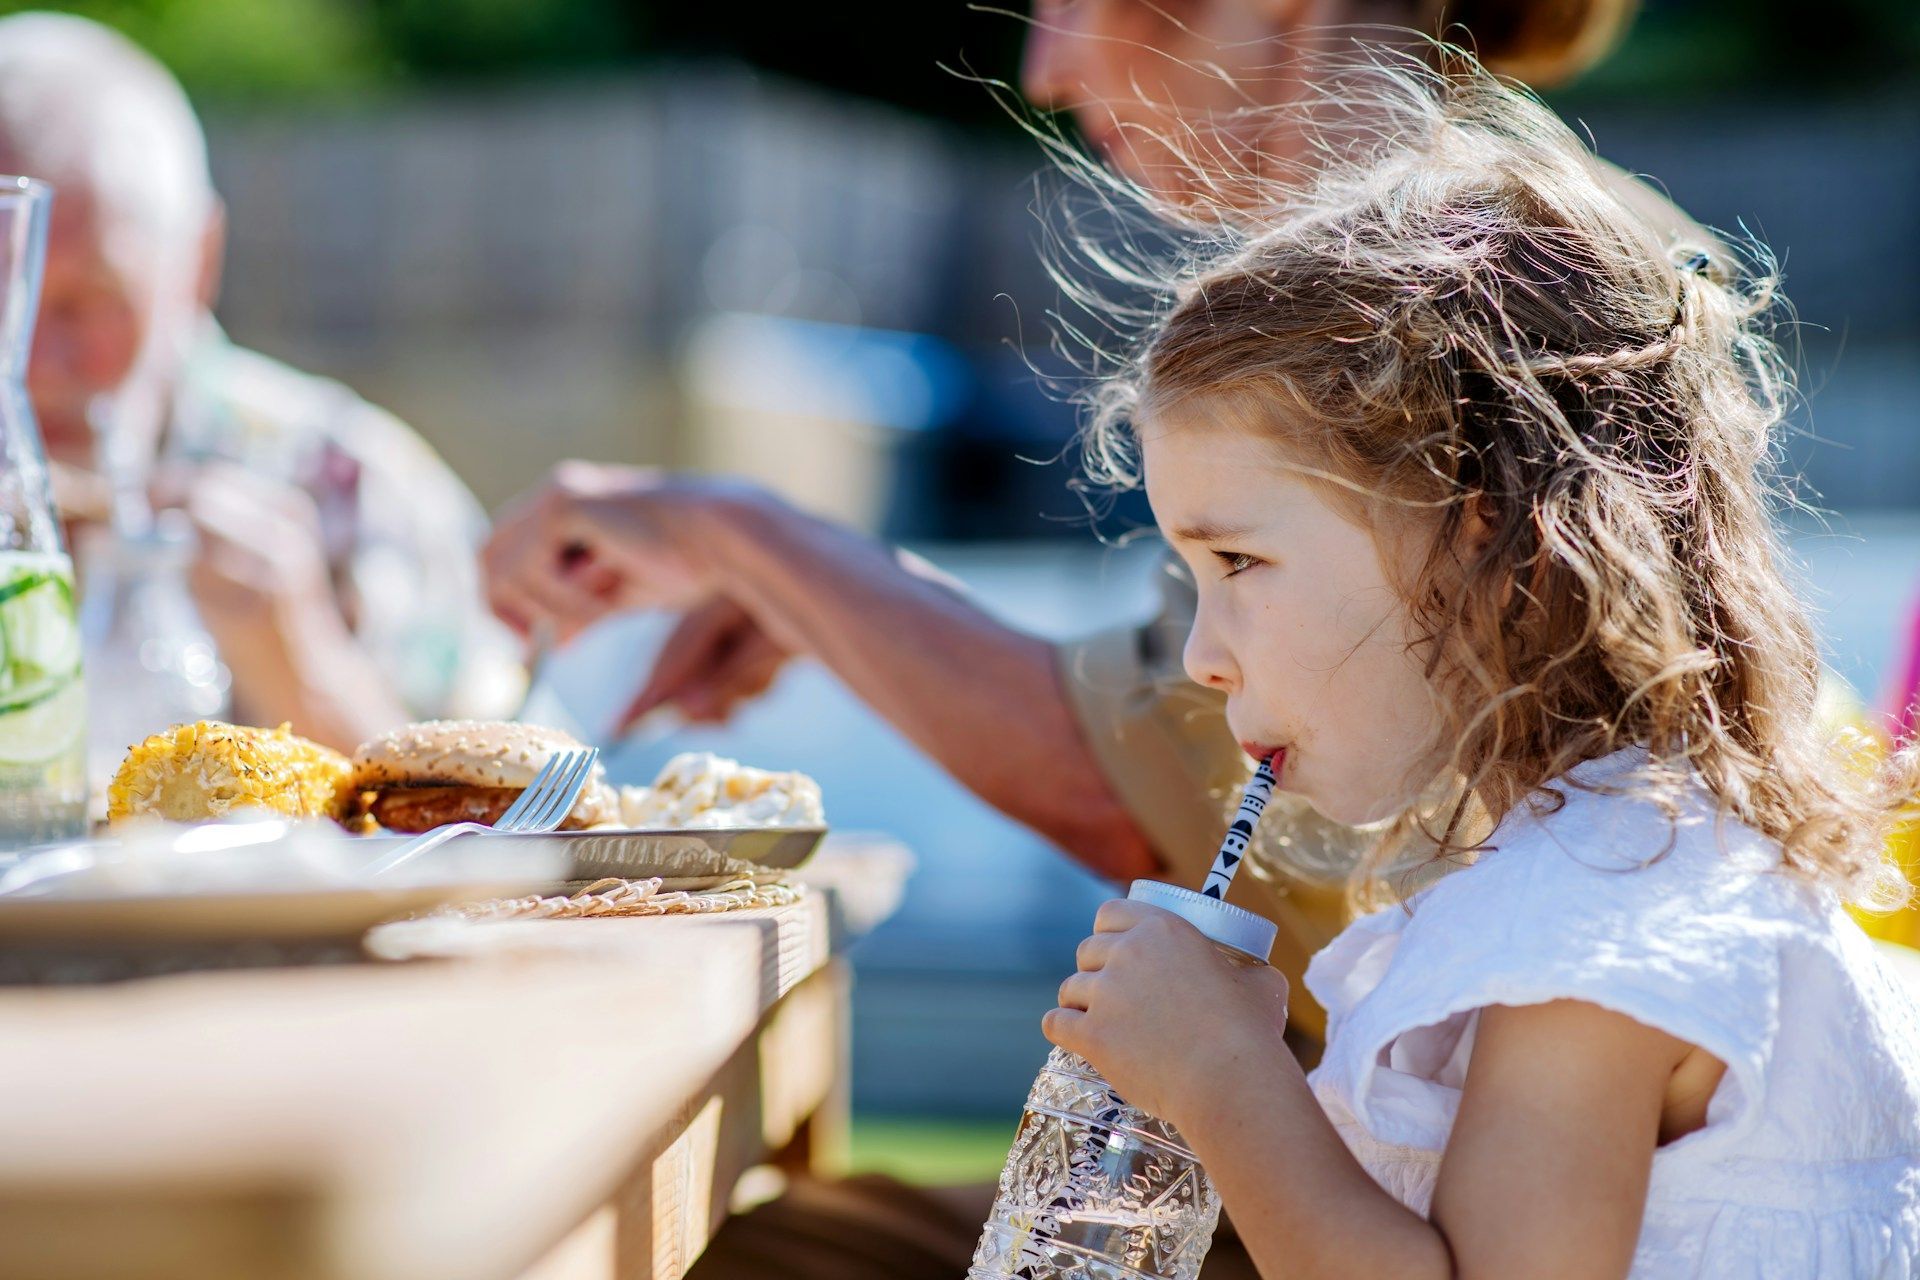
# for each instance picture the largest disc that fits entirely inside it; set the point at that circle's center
(1454, 314)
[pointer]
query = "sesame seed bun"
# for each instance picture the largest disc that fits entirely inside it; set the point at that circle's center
(484, 755)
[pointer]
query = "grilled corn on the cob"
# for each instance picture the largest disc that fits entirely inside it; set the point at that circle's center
(196, 772)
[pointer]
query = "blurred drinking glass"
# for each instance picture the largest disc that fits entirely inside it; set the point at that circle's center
(145, 640)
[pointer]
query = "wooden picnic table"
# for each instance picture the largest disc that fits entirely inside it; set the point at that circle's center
(554, 1099)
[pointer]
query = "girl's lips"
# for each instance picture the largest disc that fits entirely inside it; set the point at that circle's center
(1261, 753)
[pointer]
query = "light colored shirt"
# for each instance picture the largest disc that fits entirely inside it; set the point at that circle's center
(1809, 1163)
(401, 532)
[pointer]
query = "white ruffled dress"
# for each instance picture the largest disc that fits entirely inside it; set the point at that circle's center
(1809, 1164)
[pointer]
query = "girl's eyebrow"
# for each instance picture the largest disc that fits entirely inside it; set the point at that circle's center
(1207, 531)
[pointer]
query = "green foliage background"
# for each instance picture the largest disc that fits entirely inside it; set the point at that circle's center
(250, 49)
(277, 49)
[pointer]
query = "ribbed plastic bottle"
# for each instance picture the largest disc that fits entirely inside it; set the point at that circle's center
(1096, 1189)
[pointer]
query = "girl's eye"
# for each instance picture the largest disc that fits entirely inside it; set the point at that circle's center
(1235, 562)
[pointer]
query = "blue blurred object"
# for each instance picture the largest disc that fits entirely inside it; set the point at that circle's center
(1006, 465)
(905, 382)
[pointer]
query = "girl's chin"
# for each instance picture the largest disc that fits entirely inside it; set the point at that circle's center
(1344, 808)
(1331, 812)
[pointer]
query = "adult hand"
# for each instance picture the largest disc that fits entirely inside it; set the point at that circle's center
(80, 496)
(591, 540)
(1164, 1015)
(717, 658)
(259, 575)
(260, 580)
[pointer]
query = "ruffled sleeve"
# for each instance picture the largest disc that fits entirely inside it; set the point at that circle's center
(1604, 903)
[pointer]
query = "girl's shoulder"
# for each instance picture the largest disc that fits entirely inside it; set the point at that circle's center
(1592, 857)
(1685, 921)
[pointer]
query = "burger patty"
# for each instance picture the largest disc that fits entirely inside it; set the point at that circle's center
(412, 808)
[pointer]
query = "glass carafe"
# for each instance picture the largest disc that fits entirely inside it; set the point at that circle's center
(1095, 1188)
(43, 701)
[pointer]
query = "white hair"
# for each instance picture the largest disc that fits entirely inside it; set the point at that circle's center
(85, 108)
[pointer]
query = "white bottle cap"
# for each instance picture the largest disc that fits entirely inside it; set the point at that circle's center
(1222, 922)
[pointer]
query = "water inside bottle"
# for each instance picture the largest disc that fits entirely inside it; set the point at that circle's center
(43, 702)
(1095, 1189)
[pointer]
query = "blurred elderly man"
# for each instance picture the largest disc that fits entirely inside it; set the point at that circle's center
(334, 562)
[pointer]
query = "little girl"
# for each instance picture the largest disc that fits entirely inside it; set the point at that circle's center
(1471, 467)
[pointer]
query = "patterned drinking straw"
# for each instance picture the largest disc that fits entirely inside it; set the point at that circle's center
(1234, 848)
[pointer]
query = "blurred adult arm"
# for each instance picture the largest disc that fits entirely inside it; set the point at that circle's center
(337, 559)
(1159, 739)
(261, 584)
(717, 658)
(986, 701)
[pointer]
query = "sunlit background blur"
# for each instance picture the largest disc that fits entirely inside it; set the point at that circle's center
(798, 241)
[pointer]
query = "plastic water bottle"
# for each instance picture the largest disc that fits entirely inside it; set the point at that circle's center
(1097, 1189)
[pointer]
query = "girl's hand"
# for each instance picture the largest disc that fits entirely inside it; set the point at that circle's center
(1167, 1018)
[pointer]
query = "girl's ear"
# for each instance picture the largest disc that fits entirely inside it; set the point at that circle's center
(1479, 521)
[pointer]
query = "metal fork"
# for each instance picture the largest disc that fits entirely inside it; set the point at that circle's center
(541, 808)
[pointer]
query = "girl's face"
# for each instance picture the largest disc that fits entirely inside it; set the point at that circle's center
(1135, 72)
(1297, 622)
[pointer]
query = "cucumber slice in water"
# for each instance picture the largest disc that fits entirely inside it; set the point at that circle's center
(43, 702)
(46, 727)
(40, 633)
(27, 697)
(23, 584)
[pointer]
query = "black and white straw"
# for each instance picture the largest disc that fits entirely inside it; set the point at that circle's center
(1233, 850)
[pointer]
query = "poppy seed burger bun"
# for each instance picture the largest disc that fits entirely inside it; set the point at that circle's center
(473, 753)
(466, 771)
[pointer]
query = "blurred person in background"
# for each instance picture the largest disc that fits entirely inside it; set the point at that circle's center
(333, 561)
(1102, 745)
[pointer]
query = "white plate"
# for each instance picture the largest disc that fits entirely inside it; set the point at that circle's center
(216, 882)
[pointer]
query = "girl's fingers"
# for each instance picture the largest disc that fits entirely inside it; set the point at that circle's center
(1077, 991)
(1091, 955)
(1066, 1028)
(1118, 916)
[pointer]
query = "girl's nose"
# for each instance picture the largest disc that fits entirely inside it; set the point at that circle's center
(1207, 660)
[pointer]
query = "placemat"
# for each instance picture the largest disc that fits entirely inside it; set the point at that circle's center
(650, 897)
